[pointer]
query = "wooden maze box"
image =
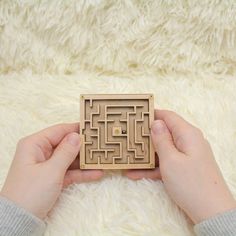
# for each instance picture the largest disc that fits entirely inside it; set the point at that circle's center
(115, 131)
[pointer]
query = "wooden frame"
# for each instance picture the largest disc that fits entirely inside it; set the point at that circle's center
(115, 131)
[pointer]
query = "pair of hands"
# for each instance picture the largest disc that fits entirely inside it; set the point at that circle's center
(46, 162)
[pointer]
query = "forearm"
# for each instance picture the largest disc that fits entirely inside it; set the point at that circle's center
(221, 225)
(15, 221)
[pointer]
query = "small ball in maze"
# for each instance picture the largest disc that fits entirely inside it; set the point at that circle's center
(123, 132)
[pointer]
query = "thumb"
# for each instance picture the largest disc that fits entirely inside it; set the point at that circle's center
(66, 152)
(162, 140)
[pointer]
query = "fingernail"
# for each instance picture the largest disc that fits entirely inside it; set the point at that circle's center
(73, 139)
(158, 127)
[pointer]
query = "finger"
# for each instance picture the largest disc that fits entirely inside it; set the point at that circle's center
(185, 136)
(153, 174)
(162, 140)
(39, 146)
(174, 122)
(81, 176)
(56, 133)
(65, 153)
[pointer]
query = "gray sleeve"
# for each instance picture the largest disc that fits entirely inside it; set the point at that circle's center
(15, 221)
(221, 225)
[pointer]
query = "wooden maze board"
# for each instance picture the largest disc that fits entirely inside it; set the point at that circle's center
(115, 131)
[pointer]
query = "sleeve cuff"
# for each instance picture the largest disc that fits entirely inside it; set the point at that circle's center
(222, 224)
(15, 220)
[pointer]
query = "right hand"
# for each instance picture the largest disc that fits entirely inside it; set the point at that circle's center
(44, 163)
(187, 168)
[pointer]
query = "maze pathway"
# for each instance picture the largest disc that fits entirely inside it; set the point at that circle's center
(115, 131)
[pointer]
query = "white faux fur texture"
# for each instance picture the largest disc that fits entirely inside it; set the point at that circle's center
(182, 51)
(129, 37)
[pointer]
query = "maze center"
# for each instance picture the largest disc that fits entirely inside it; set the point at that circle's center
(116, 131)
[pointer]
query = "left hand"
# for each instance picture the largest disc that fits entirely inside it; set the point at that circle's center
(44, 162)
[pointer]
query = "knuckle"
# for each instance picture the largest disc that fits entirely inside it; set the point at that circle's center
(23, 141)
(189, 136)
(169, 112)
(193, 133)
(198, 132)
(179, 142)
(60, 126)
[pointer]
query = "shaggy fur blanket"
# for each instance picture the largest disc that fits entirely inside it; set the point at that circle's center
(182, 51)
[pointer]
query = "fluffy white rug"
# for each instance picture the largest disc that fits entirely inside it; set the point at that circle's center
(182, 51)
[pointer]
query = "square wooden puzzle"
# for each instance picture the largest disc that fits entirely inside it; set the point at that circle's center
(115, 131)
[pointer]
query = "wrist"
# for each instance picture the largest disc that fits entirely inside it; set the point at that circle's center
(212, 209)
